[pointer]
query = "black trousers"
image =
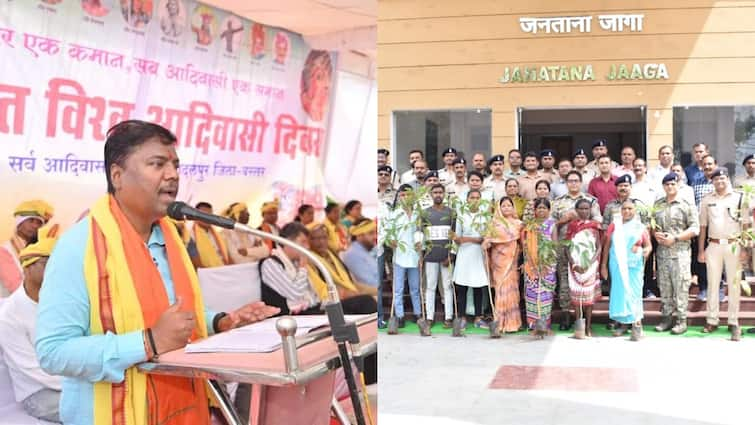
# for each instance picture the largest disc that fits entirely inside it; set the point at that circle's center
(699, 268)
(461, 300)
(650, 284)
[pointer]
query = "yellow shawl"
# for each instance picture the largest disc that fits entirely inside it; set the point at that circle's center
(340, 276)
(208, 256)
(122, 302)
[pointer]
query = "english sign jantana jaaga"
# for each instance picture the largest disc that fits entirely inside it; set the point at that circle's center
(549, 73)
(582, 72)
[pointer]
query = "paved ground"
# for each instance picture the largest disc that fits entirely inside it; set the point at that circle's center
(441, 380)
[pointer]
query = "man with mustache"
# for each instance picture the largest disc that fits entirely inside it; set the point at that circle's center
(120, 290)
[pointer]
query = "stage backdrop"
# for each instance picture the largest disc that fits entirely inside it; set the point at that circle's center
(249, 103)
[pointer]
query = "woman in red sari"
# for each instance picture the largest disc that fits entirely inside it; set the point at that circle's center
(584, 261)
(503, 246)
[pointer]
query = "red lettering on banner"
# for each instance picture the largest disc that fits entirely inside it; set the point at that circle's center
(6, 35)
(289, 136)
(146, 66)
(99, 56)
(199, 126)
(196, 77)
(74, 114)
(47, 45)
(18, 102)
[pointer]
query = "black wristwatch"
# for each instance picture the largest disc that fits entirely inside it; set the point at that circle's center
(216, 321)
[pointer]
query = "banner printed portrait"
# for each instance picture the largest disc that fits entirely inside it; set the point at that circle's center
(249, 103)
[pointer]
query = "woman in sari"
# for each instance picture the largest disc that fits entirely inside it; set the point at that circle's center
(503, 244)
(540, 264)
(584, 259)
(629, 248)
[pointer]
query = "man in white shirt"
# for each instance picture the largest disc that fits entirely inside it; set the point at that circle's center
(685, 190)
(666, 159)
(38, 392)
(627, 160)
(642, 188)
(515, 164)
(558, 188)
(408, 175)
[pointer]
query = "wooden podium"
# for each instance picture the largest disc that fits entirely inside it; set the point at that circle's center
(284, 392)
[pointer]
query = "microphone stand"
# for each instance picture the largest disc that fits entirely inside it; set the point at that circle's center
(342, 331)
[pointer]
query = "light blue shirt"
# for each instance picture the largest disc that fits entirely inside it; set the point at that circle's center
(361, 264)
(64, 342)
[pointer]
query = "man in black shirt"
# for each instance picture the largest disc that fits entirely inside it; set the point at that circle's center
(437, 222)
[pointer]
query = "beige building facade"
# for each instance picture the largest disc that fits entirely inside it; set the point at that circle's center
(492, 75)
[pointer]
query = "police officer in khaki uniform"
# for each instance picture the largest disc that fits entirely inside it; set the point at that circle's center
(386, 191)
(749, 177)
(548, 162)
(563, 212)
(459, 184)
(496, 182)
(599, 148)
(446, 175)
(720, 222)
(579, 159)
(677, 223)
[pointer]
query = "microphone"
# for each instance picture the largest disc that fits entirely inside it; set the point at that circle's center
(181, 211)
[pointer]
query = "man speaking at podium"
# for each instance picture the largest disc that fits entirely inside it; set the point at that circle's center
(120, 290)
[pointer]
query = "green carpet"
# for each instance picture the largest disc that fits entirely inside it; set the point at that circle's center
(598, 330)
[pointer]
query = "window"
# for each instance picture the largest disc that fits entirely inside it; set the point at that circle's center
(728, 131)
(468, 131)
(566, 130)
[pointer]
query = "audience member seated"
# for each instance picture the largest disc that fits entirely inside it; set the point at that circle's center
(286, 281)
(359, 258)
(283, 275)
(348, 288)
(38, 392)
(212, 248)
(242, 247)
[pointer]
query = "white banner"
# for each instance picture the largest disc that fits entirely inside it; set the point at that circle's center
(250, 104)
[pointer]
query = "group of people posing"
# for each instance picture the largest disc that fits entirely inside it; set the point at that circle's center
(567, 229)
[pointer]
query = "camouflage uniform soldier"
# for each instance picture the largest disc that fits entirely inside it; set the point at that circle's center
(563, 212)
(677, 223)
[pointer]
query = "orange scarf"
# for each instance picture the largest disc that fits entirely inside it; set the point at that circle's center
(531, 248)
(268, 242)
(169, 399)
